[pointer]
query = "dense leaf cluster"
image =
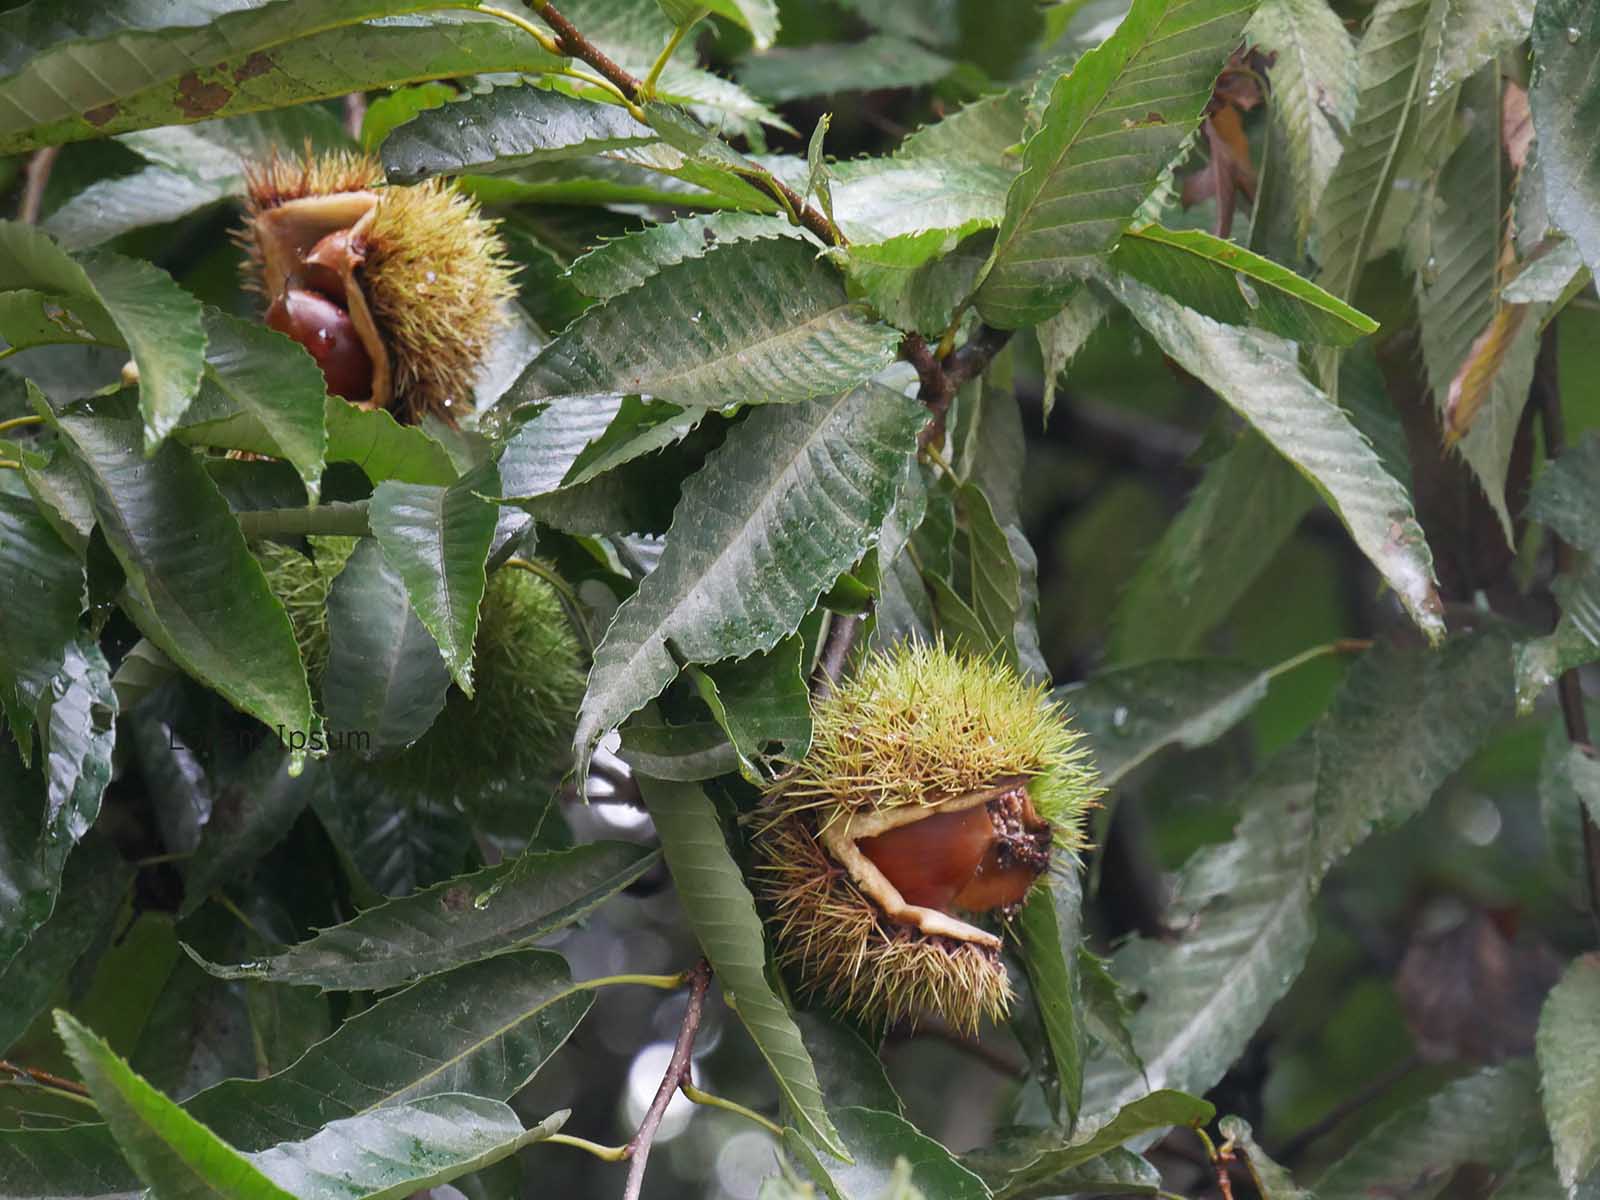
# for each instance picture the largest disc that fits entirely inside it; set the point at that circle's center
(284, 912)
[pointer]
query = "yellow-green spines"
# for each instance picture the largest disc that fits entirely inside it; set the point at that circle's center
(438, 279)
(921, 724)
(515, 733)
(922, 727)
(301, 582)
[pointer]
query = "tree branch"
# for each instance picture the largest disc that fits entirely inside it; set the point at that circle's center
(638, 1147)
(940, 379)
(1547, 394)
(573, 44)
(35, 175)
(836, 644)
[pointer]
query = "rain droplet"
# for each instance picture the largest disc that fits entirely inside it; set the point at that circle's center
(1574, 35)
(1119, 717)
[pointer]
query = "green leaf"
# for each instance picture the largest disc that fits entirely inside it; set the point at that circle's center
(1314, 81)
(437, 539)
(1246, 506)
(1488, 1119)
(988, 131)
(93, 887)
(192, 167)
(827, 69)
(759, 700)
(791, 499)
(199, 593)
(155, 319)
(1458, 296)
(1402, 722)
(622, 264)
(34, 636)
(463, 920)
(172, 1152)
(385, 677)
(877, 1141)
(1132, 713)
(1228, 283)
(1113, 123)
(504, 130)
(1475, 33)
(1396, 56)
(539, 456)
(876, 200)
(1569, 1072)
(996, 580)
(1020, 1160)
(250, 814)
(1569, 784)
(723, 915)
(916, 281)
(273, 380)
(1049, 930)
(754, 325)
(402, 1151)
(1259, 376)
(1566, 103)
(1271, 1180)
(1063, 335)
(263, 57)
(850, 1071)
(682, 753)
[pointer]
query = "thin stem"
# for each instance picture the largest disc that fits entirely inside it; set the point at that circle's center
(10, 464)
(836, 644)
(549, 44)
(677, 1072)
(19, 422)
(648, 87)
(605, 85)
(355, 114)
(44, 1079)
(570, 43)
(9, 351)
(37, 175)
(240, 915)
(604, 1153)
(666, 983)
(1342, 646)
(344, 518)
(1547, 392)
(732, 1106)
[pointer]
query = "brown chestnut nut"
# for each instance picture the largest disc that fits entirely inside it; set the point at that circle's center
(326, 330)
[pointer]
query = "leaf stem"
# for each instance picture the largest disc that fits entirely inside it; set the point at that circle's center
(19, 422)
(10, 464)
(548, 43)
(666, 983)
(732, 1106)
(44, 1079)
(1342, 646)
(604, 1153)
(570, 43)
(36, 175)
(648, 88)
(340, 518)
(568, 597)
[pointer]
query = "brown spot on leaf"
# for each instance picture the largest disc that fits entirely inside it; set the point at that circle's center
(198, 99)
(456, 899)
(102, 113)
(257, 64)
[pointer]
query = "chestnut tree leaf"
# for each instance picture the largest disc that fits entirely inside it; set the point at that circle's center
(722, 912)
(385, 676)
(35, 636)
(1569, 1072)
(192, 584)
(1489, 1118)
(1259, 376)
(1112, 124)
(756, 324)
(507, 1016)
(124, 303)
(461, 920)
(790, 500)
(1565, 99)
(438, 539)
(878, 1141)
